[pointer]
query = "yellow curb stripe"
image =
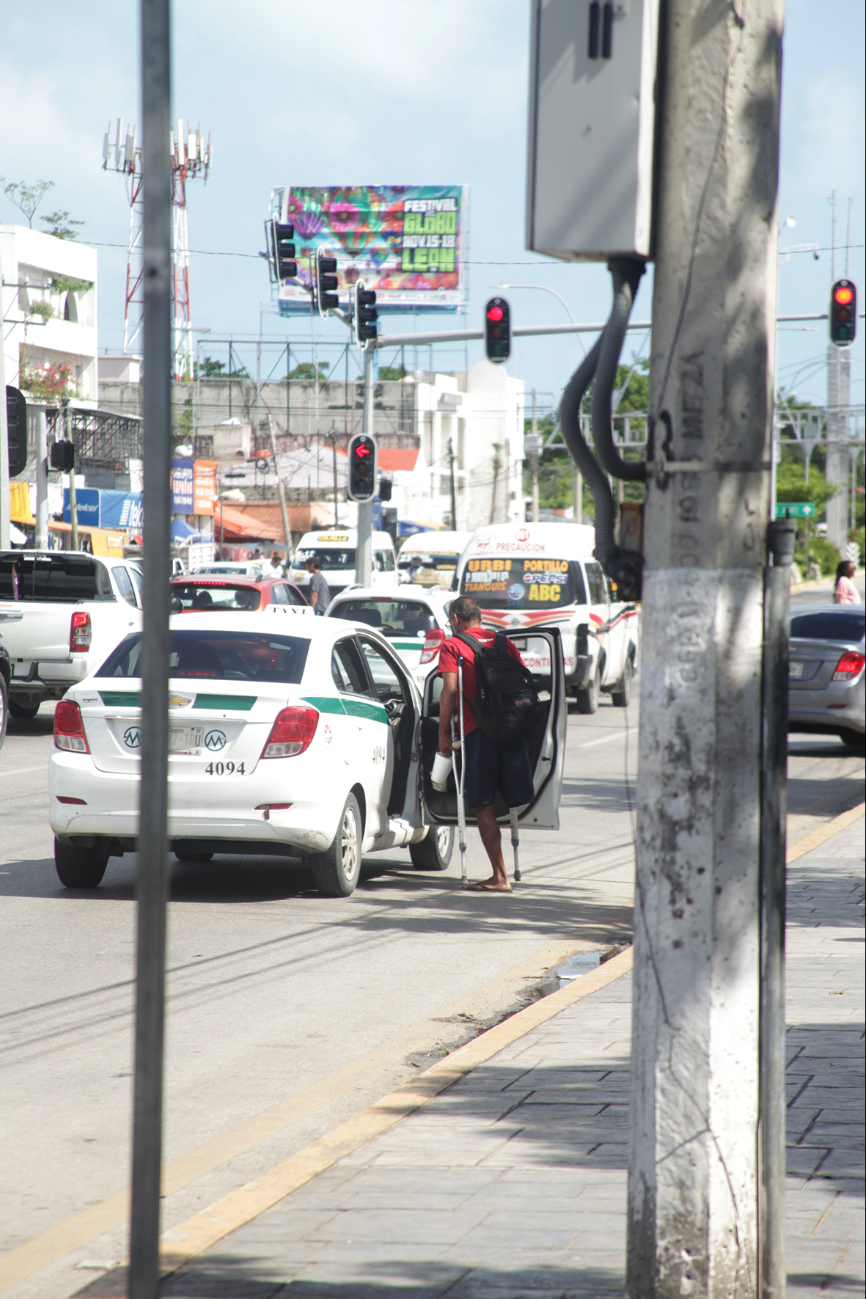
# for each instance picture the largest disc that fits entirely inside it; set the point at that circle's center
(206, 1228)
(824, 832)
(17, 1264)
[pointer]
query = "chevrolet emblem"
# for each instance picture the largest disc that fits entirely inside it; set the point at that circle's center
(180, 701)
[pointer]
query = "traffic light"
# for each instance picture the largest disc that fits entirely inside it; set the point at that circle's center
(326, 282)
(362, 468)
(386, 487)
(366, 315)
(843, 313)
(284, 251)
(497, 330)
(16, 422)
(63, 456)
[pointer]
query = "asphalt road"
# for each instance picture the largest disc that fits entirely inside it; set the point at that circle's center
(273, 990)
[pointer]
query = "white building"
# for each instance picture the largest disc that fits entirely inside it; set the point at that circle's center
(48, 299)
(476, 416)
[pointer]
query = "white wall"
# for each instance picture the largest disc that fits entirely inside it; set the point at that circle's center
(29, 259)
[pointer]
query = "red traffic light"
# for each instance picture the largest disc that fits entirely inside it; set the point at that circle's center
(843, 295)
(495, 313)
(363, 450)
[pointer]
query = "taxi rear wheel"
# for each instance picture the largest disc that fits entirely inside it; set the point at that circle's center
(336, 871)
(434, 851)
(79, 868)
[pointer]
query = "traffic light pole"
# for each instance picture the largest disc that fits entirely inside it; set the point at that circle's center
(364, 557)
(695, 1225)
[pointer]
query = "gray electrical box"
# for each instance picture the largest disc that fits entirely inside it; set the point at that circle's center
(591, 127)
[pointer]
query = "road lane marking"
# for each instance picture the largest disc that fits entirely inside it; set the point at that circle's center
(606, 739)
(824, 832)
(190, 1239)
(85, 1226)
(23, 771)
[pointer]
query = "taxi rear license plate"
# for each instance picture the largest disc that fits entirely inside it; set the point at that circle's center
(795, 669)
(184, 739)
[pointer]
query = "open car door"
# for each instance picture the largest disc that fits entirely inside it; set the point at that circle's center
(546, 746)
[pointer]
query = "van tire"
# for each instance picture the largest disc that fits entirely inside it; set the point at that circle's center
(587, 699)
(435, 850)
(621, 693)
(79, 868)
(22, 712)
(337, 870)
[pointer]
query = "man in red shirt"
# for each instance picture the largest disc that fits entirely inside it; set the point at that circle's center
(488, 764)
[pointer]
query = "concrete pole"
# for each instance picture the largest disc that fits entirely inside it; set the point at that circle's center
(693, 1217)
(41, 537)
(364, 557)
(534, 460)
(838, 399)
(5, 503)
(281, 488)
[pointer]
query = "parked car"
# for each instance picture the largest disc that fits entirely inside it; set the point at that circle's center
(826, 690)
(206, 594)
(413, 620)
(75, 606)
(297, 738)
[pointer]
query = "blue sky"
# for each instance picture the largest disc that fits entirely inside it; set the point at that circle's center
(399, 91)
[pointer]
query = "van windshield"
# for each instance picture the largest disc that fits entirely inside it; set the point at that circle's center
(441, 561)
(512, 583)
(337, 559)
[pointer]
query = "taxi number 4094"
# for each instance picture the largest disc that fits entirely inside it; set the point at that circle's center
(224, 769)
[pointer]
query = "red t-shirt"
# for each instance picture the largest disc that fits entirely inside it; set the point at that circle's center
(448, 655)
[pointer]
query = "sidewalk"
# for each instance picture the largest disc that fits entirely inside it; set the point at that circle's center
(511, 1184)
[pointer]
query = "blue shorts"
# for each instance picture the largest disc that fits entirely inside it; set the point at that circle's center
(493, 765)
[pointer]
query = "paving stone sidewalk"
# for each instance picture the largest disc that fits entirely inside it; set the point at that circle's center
(512, 1184)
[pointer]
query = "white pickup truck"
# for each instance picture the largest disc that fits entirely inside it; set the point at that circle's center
(75, 608)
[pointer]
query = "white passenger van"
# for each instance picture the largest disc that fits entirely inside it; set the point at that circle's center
(335, 548)
(543, 575)
(435, 555)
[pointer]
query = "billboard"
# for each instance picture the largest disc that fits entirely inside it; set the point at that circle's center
(407, 242)
(204, 486)
(181, 487)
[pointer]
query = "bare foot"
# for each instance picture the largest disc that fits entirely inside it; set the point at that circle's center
(492, 885)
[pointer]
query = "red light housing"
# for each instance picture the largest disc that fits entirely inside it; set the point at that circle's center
(69, 728)
(80, 633)
(843, 295)
(495, 313)
(849, 666)
(291, 733)
(432, 646)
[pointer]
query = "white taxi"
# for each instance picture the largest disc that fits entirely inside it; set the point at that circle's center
(296, 738)
(414, 621)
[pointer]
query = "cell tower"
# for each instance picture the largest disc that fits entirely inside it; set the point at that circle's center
(190, 157)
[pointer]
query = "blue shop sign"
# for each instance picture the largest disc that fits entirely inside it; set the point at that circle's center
(86, 506)
(182, 486)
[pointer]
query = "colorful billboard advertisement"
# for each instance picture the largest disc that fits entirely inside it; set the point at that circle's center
(204, 486)
(407, 242)
(181, 487)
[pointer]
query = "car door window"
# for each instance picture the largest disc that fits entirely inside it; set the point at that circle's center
(595, 581)
(348, 671)
(124, 585)
(138, 583)
(293, 596)
(387, 682)
(279, 593)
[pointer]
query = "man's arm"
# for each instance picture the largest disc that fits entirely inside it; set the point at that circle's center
(447, 703)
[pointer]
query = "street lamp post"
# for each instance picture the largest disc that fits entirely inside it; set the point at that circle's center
(542, 288)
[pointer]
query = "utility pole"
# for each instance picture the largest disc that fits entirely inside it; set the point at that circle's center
(838, 402)
(281, 489)
(453, 484)
(533, 449)
(73, 497)
(364, 557)
(695, 1222)
(5, 503)
(40, 539)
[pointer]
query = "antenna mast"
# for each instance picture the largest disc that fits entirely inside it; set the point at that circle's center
(190, 157)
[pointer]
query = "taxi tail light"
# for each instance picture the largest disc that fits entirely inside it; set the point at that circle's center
(69, 727)
(80, 633)
(291, 733)
(432, 646)
(849, 666)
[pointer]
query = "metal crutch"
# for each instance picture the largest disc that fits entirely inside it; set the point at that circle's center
(458, 780)
(515, 842)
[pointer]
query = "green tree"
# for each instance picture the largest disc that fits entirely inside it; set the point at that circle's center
(210, 369)
(60, 225)
(27, 197)
(307, 371)
(393, 373)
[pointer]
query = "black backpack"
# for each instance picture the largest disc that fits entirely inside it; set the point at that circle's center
(506, 702)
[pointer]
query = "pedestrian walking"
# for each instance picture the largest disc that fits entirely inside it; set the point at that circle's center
(846, 592)
(320, 595)
(275, 568)
(489, 764)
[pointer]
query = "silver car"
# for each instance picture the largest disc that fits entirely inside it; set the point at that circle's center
(826, 671)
